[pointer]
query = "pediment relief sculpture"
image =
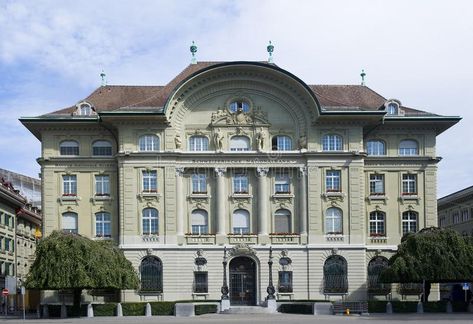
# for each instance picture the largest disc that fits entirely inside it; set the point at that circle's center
(242, 249)
(224, 117)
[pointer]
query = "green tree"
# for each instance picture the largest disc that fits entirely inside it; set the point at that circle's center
(70, 261)
(432, 255)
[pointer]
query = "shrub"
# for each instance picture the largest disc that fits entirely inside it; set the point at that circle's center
(133, 309)
(162, 308)
(296, 308)
(205, 309)
(109, 309)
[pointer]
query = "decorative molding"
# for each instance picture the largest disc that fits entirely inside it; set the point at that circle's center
(180, 171)
(220, 171)
(241, 249)
(262, 171)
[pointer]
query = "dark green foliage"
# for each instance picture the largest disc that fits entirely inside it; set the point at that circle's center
(105, 309)
(296, 308)
(376, 306)
(70, 261)
(434, 255)
(205, 309)
(133, 309)
(162, 308)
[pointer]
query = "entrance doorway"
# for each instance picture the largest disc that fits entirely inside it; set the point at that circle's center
(242, 281)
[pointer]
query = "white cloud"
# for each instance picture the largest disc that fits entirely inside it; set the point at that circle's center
(417, 51)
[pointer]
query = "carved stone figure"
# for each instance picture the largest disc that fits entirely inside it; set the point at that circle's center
(218, 139)
(302, 142)
(178, 142)
(260, 138)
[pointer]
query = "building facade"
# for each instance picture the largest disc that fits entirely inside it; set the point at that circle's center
(455, 211)
(20, 226)
(230, 159)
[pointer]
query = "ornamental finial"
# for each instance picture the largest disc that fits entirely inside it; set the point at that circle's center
(363, 74)
(193, 50)
(270, 49)
(103, 77)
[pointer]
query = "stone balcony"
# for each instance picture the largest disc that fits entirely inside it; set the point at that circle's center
(243, 238)
(280, 238)
(200, 238)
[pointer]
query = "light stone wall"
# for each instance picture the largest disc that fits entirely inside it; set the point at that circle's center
(290, 112)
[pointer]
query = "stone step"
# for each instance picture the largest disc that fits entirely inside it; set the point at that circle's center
(246, 310)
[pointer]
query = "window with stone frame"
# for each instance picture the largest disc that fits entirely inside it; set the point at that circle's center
(335, 275)
(409, 184)
(199, 183)
(70, 148)
(409, 222)
(333, 221)
(377, 223)
(148, 143)
(150, 221)
(201, 282)
(69, 222)
(332, 142)
(199, 222)
(281, 143)
(150, 181)
(69, 185)
(285, 282)
(240, 183)
(375, 147)
(198, 143)
(332, 181)
(377, 185)
(103, 224)
(102, 148)
(151, 274)
(102, 185)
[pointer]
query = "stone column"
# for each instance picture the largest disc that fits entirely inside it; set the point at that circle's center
(221, 201)
(179, 202)
(303, 200)
(262, 201)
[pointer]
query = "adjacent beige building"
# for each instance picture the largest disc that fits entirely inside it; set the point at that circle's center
(455, 211)
(231, 158)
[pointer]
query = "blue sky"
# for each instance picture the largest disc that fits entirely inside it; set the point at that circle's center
(420, 52)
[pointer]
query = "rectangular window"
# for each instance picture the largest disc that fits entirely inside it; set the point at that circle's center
(103, 224)
(69, 185)
(150, 181)
(332, 181)
(282, 183)
(465, 215)
(377, 224)
(285, 281)
(456, 217)
(199, 183)
(409, 184)
(201, 282)
(377, 184)
(102, 185)
(240, 184)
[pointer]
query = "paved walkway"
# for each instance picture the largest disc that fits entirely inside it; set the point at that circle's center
(263, 318)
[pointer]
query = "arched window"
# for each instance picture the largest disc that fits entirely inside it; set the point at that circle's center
(69, 148)
(282, 221)
(375, 267)
(240, 143)
(376, 147)
(335, 275)
(409, 222)
(408, 147)
(151, 272)
(103, 225)
(377, 223)
(198, 143)
(199, 221)
(393, 108)
(333, 221)
(332, 142)
(102, 148)
(69, 222)
(150, 221)
(241, 221)
(281, 143)
(85, 109)
(148, 143)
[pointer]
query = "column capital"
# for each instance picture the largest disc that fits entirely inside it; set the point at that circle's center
(262, 171)
(220, 171)
(180, 171)
(303, 170)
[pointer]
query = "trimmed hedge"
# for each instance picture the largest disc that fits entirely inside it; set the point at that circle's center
(205, 309)
(296, 308)
(376, 306)
(109, 309)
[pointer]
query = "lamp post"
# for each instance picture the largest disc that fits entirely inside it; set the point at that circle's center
(225, 302)
(224, 289)
(270, 290)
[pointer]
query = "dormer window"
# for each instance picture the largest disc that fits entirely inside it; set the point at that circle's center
(85, 110)
(392, 107)
(239, 105)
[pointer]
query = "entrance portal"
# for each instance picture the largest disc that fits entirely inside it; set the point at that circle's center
(242, 281)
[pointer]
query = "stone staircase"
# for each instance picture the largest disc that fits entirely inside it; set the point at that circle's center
(246, 310)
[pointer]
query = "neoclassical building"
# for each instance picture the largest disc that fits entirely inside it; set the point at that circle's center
(231, 159)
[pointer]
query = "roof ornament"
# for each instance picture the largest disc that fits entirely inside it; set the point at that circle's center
(193, 50)
(103, 77)
(270, 49)
(363, 74)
